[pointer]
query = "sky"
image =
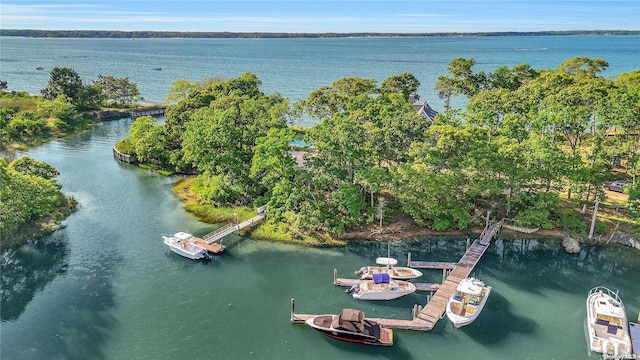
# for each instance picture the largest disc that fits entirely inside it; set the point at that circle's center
(342, 16)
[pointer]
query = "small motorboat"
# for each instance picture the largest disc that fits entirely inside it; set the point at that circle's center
(388, 265)
(381, 287)
(350, 325)
(183, 243)
(467, 301)
(607, 324)
(39, 68)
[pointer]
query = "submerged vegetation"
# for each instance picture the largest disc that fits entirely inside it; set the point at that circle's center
(534, 145)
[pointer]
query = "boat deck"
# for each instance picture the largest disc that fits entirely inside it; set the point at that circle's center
(215, 248)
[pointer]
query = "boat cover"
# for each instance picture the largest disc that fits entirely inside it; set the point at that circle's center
(381, 278)
(386, 261)
(351, 315)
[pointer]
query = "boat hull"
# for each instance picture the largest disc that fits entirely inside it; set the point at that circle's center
(396, 273)
(387, 265)
(460, 320)
(183, 245)
(189, 255)
(367, 290)
(607, 334)
(385, 337)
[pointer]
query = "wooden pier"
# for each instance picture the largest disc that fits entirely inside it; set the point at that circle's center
(424, 319)
(154, 112)
(117, 114)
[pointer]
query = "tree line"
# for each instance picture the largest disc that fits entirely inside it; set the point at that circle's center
(252, 35)
(524, 137)
(63, 107)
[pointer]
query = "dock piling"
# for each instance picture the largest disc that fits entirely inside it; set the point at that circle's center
(293, 306)
(425, 318)
(408, 259)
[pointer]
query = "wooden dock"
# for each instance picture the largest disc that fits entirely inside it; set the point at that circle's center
(154, 112)
(424, 319)
(634, 331)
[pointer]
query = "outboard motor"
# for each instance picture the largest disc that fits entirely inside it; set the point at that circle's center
(352, 289)
(361, 271)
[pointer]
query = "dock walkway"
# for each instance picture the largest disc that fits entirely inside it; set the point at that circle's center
(226, 230)
(426, 318)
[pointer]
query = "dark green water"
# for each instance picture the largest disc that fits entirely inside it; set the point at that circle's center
(106, 287)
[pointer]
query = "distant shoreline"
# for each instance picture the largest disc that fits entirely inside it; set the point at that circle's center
(275, 35)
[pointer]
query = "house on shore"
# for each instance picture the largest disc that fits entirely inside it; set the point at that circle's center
(422, 109)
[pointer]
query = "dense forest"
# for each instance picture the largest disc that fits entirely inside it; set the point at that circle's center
(187, 34)
(532, 145)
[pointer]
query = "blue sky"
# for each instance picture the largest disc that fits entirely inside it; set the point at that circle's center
(408, 16)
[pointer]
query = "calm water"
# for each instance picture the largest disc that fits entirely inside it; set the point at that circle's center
(106, 287)
(295, 67)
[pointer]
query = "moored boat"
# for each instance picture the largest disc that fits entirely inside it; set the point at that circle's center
(381, 287)
(467, 301)
(607, 324)
(388, 265)
(350, 325)
(183, 243)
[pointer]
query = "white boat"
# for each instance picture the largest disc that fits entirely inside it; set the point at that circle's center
(467, 301)
(388, 265)
(183, 243)
(607, 324)
(381, 287)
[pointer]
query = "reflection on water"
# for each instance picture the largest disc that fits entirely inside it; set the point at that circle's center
(27, 269)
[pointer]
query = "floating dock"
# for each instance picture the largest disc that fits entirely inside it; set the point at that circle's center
(424, 319)
(634, 332)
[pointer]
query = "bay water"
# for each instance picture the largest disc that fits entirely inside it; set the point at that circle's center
(106, 287)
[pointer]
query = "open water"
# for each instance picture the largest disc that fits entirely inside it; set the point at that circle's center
(106, 287)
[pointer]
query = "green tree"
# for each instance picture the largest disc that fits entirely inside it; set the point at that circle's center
(180, 89)
(404, 84)
(147, 138)
(329, 100)
(271, 160)
(59, 108)
(118, 92)
(63, 81)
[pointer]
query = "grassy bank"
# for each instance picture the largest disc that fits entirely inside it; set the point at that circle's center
(262, 231)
